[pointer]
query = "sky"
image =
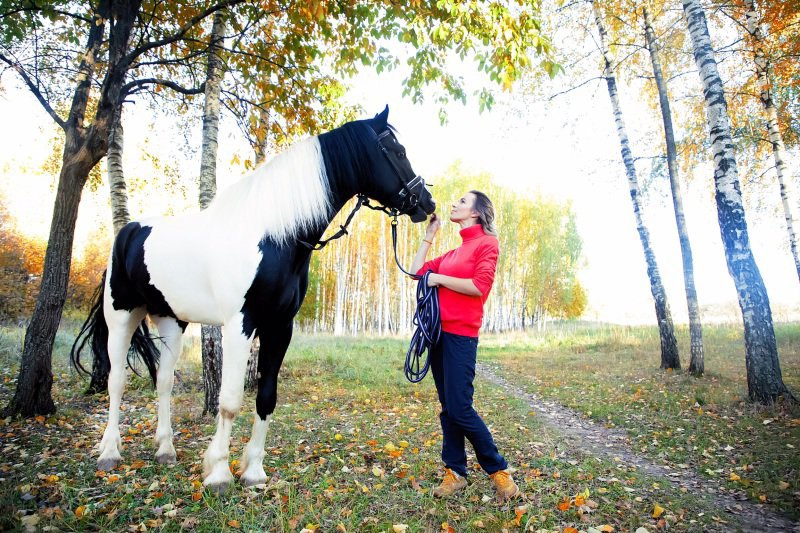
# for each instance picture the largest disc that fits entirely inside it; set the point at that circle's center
(566, 149)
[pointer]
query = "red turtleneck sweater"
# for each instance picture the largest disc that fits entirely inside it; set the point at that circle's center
(475, 259)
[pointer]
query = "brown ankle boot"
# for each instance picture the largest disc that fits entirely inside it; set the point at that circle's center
(504, 485)
(451, 484)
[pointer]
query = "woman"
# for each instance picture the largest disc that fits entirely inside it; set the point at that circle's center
(464, 277)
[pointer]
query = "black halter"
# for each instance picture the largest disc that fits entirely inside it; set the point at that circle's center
(408, 202)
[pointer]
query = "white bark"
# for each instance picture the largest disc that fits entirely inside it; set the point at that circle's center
(116, 175)
(764, 379)
(208, 152)
(756, 30)
(697, 363)
(669, 345)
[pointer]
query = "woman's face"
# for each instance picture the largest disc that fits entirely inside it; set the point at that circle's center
(462, 210)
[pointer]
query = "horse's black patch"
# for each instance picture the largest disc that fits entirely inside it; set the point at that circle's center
(277, 292)
(130, 280)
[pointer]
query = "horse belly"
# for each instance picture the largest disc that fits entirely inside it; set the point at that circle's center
(203, 280)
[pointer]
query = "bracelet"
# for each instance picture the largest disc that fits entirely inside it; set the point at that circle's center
(429, 242)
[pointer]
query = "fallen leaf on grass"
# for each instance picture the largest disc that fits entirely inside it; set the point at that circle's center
(399, 528)
(606, 528)
(234, 524)
(520, 512)
(570, 530)
(783, 485)
(447, 528)
(30, 521)
(564, 505)
(657, 511)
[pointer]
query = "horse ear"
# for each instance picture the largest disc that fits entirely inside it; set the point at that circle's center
(379, 123)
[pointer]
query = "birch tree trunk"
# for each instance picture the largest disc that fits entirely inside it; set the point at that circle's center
(669, 345)
(211, 335)
(119, 216)
(697, 363)
(756, 30)
(262, 137)
(116, 175)
(764, 380)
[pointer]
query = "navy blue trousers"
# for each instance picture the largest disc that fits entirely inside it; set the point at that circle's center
(453, 366)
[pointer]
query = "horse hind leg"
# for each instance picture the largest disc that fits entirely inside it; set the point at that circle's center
(274, 342)
(171, 335)
(235, 351)
(121, 326)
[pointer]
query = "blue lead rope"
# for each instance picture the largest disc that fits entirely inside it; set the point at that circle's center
(429, 328)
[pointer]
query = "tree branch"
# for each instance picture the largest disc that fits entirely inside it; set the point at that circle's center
(136, 52)
(38, 9)
(36, 92)
(576, 87)
(131, 87)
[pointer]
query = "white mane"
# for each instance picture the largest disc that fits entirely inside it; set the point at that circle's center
(281, 198)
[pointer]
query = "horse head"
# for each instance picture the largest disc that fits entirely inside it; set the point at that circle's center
(393, 182)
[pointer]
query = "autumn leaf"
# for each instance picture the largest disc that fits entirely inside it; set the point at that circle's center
(80, 511)
(447, 528)
(520, 512)
(564, 505)
(657, 511)
(234, 524)
(399, 528)
(570, 530)
(606, 528)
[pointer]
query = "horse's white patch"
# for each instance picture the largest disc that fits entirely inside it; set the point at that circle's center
(203, 263)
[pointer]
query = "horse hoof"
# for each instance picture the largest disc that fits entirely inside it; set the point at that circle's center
(107, 465)
(250, 482)
(218, 488)
(166, 458)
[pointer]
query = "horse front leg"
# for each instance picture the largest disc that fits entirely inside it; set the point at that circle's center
(274, 342)
(235, 352)
(171, 336)
(121, 325)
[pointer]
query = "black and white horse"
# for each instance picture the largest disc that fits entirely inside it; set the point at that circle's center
(243, 264)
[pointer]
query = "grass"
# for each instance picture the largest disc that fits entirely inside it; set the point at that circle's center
(354, 447)
(707, 423)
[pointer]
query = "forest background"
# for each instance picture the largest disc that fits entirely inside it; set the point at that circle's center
(546, 151)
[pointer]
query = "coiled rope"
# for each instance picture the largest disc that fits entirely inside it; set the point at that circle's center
(429, 328)
(426, 319)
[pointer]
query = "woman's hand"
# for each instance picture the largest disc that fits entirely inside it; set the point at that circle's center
(433, 227)
(433, 280)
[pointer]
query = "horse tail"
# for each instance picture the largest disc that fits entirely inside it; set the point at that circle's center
(94, 334)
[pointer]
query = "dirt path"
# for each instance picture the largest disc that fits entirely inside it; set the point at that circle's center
(614, 444)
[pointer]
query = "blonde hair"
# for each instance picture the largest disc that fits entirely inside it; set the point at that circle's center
(483, 206)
